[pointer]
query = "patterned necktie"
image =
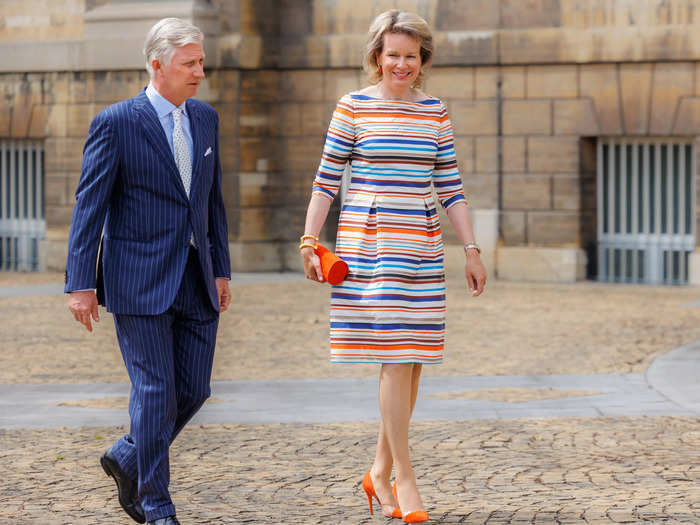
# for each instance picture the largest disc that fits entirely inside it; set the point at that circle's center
(182, 151)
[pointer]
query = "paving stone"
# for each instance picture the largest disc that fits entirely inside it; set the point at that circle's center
(311, 473)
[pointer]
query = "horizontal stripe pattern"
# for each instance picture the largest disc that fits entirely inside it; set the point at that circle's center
(391, 306)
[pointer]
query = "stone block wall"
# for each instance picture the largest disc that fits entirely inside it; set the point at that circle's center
(529, 85)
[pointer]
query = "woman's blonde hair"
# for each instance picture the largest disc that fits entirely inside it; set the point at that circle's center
(402, 22)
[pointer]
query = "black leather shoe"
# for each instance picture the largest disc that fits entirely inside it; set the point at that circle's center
(170, 520)
(126, 487)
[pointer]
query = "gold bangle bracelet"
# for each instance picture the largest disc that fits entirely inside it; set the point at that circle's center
(472, 246)
(306, 245)
(308, 236)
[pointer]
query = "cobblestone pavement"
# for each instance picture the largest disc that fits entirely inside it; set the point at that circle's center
(280, 331)
(549, 470)
(627, 470)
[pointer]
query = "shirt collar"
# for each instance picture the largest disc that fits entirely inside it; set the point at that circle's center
(162, 105)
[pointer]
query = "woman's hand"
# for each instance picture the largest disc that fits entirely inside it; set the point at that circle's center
(312, 264)
(475, 273)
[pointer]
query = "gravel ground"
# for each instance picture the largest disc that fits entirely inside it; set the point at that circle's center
(275, 331)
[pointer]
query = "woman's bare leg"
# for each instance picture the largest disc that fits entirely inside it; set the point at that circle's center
(398, 389)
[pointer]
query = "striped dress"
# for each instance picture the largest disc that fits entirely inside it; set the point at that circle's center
(391, 306)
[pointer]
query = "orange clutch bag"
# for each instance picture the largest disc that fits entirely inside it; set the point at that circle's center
(333, 267)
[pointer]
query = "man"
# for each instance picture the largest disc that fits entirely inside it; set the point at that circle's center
(151, 181)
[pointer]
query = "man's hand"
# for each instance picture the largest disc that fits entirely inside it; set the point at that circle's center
(224, 293)
(84, 307)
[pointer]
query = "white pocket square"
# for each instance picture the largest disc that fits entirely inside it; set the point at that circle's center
(207, 152)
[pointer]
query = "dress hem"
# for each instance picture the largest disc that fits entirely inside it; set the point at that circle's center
(374, 362)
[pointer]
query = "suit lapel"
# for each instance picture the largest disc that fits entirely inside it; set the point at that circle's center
(156, 137)
(196, 131)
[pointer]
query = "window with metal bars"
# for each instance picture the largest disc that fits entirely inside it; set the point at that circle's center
(646, 210)
(22, 223)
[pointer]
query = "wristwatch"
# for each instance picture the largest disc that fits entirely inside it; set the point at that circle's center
(472, 246)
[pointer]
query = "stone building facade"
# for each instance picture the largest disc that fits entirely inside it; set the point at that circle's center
(532, 87)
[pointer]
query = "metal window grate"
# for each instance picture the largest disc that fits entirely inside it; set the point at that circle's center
(22, 223)
(646, 210)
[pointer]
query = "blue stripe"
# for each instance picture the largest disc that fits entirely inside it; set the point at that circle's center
(399, 211)
(390, 298)
(338, 141)
(427, 102)
(395, 141)
(416, 290)
(387, 183)
(451, 200)
(447, 183)
(392, 326)
(391, 259)
(359, 266)
(324, 190)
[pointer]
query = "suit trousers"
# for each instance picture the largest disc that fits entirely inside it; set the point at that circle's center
(169, 360)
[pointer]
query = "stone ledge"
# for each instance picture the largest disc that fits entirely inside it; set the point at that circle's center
(100, 51)
(540, 264)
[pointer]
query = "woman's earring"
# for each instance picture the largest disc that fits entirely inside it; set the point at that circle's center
(379, 69)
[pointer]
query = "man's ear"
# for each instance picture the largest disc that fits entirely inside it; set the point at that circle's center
(155, 64)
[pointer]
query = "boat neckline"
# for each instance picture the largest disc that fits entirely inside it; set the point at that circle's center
(394, 100)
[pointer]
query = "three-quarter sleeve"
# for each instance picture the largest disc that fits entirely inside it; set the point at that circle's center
(446, 179)
(337, 149)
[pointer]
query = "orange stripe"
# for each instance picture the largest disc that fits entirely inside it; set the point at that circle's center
(388, 347)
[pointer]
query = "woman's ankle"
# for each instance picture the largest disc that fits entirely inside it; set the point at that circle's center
(380, 473)
(405, 474)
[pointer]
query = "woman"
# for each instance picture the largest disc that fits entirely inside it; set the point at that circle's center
(391, 307)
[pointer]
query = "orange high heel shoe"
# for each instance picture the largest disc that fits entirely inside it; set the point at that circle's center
(369, 490)
(417, 516)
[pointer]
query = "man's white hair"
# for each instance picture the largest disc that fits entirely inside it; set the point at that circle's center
(167, 35)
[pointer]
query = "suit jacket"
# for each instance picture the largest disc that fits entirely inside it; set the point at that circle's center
(131, 189)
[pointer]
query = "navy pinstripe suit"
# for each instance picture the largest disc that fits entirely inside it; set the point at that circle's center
(161, 291)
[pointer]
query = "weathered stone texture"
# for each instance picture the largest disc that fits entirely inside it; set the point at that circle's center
(474, 118)
(339, 82)
(567, 70)
(527, 117)
(486, 149)
(39, 20)
(635, 87)
(552, 82)
(566, 192)
(457, 15)
(670, 82)
(63, 154)
(527, 192)
(464, 150)
(302, 86)
(688, 120)
(513, 225)
(599, 82)
(553, 228)
(513, 81)
(260, 86)
(481, 191)
(486, 80)
(451, 83)
(302, 155)
(514, 154)
(342, 50)
(553, 155)
(516, 14)
(575, 117)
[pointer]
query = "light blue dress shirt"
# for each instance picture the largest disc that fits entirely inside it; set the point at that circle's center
(164, 109)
